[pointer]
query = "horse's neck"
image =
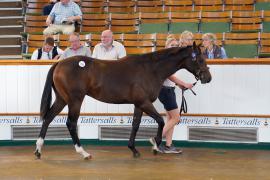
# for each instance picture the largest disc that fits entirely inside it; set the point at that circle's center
(168, 65)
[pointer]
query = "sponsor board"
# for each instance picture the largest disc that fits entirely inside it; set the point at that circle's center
(146, 120)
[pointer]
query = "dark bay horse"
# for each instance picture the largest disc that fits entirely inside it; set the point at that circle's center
(131, 80)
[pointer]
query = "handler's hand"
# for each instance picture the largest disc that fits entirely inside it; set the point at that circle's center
(186, 86)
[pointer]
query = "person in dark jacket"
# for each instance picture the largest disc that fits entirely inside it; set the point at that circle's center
(47, 9)
(48, 51)
(210, 49)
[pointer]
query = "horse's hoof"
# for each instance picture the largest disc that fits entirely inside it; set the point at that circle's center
(87, 158)
(154, 151)
(136, 155)
(37, 154)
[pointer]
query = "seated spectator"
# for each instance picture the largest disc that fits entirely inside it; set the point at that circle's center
(62, 18)
(75, 48)
(186, 39)
(48, 51)
(108, 49)
(210, 50)
(48, 8)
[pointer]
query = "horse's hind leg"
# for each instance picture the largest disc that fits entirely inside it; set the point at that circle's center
(149, 109)
(56, 108)
(135, 126)
(73, 115)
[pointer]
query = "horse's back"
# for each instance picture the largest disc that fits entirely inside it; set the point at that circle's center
(113, 81)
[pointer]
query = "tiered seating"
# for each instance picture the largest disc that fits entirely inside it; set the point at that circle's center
(208, 5)
(168, 16)
(123, 23)
(196, 19)
(181, 21)
(93, 6)
(176, 5)
(236, 44)
(215, 22)
(266, 21)
(239, 5)
(139, 43)
(262, 5)
(264, 48)
(35, 24)
(161, 40)
(10, 28)
(241, 44)
(149, 6)
(94, 22)
(121, 6)
(153, 22)
(35, 6)
(249, 21)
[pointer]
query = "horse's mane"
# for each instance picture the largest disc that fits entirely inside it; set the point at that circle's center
(154, 56)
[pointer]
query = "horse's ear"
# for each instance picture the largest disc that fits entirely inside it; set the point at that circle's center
(194, 45)
(196, 48)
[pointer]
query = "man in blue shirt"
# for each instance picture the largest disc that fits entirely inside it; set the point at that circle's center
(63, 17)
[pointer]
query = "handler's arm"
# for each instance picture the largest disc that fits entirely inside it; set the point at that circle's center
(180, 83)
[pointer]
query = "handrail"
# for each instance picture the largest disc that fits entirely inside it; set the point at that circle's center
(240, 61)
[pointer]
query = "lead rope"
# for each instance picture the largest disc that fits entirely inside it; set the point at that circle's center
(184, 102)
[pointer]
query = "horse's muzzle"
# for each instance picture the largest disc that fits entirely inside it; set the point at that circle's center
(204, 75)
(205, 78)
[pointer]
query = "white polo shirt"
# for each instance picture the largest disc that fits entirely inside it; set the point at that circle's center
(116, 52)
(45, 55)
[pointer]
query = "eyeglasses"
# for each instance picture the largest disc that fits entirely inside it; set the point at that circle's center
(174, 45)
(189, 39)
(74, 41)
(205, 39)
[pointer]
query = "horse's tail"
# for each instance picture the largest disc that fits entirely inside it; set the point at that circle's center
(47, 93)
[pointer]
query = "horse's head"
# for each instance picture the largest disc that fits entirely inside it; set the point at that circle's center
(196, 64)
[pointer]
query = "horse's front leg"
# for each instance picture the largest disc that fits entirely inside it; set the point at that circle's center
(73, 115)
(135, 126)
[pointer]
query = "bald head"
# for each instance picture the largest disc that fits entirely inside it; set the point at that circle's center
(74, 40)
(107, 38)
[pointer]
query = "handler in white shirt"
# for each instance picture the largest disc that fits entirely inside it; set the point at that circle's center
(108, 49)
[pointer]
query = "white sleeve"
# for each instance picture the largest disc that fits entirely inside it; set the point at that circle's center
(63, 55)
(35, 55)
(94, 55)
(59, 51)
(122, 51)
(88, 52)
